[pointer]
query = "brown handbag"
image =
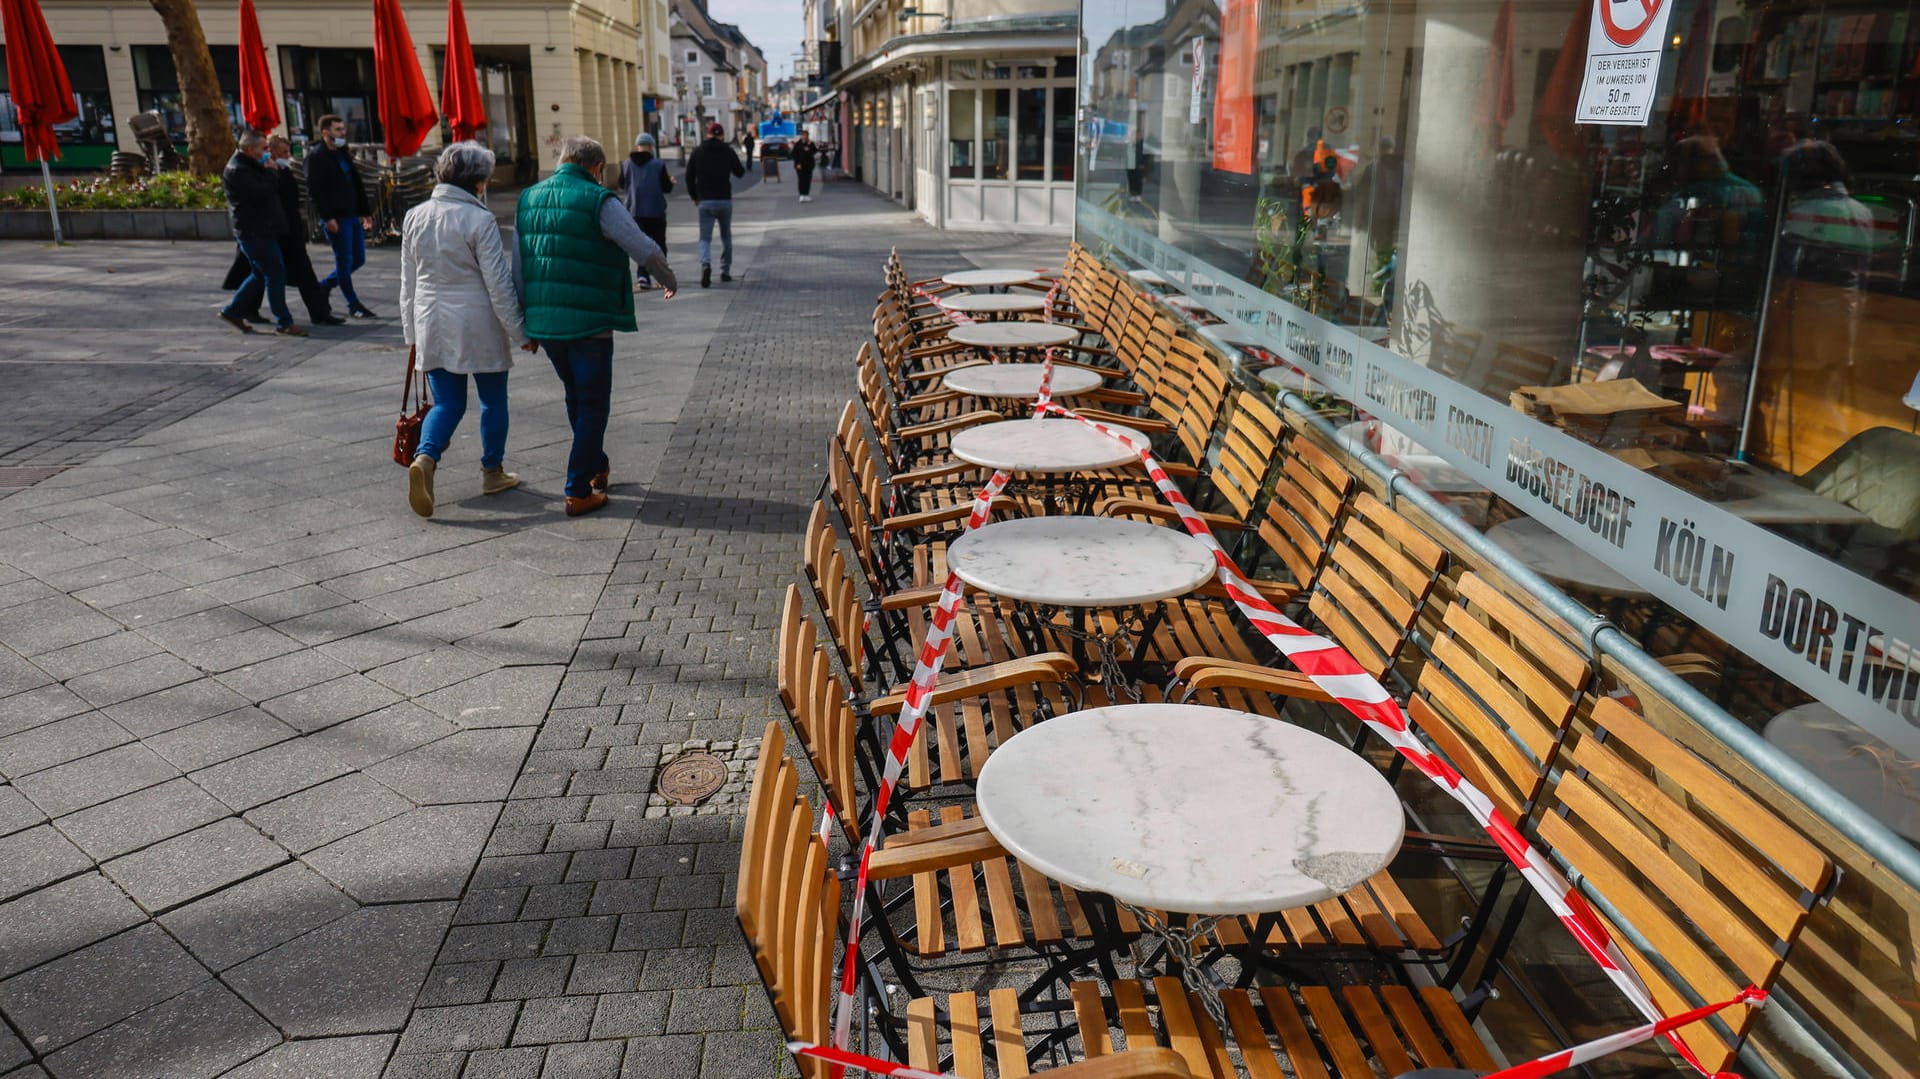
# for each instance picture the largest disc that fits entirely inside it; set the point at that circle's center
(406, 429)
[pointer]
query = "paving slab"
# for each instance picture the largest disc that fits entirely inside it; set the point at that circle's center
(191, 865)
(254, 915)
(94, 988)
(199, 1034)
(360, 1057)
(357, 975)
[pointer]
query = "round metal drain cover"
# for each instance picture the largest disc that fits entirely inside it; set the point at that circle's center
(691, 778)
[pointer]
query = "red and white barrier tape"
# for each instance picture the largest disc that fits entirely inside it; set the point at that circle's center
(842, 1059)
(1336, 672)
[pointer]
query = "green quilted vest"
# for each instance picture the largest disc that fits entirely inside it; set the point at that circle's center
(575, 281)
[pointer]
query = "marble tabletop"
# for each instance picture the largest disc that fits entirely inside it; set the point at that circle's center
(1428, 470)
(1019, 380)
(1046, 445)
(1191, 809)
(993, 303)
(1081, 561)
(1867, 770)
(991, 277)
(1764, 497)
(1559, 560)
(1012, 334)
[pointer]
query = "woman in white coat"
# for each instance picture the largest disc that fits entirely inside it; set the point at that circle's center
(462, 316)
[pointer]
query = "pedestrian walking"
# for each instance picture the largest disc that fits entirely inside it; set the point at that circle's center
(573, 240)
(805, 151)
(746, 141)
(293, 248)
(645, 184)
(340, 201)
(460, 312)
(258, 221)
(709, 178)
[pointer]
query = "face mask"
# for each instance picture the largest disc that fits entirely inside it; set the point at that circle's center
(266, 156)
(284, 162)
(339, 142)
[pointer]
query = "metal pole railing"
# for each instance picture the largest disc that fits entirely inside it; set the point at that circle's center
(1880, 843)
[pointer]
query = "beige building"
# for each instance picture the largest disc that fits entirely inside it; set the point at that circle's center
(547, 70)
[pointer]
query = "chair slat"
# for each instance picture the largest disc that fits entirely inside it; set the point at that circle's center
(1009, 1040)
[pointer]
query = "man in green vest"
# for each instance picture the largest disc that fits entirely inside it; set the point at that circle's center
(574, 240)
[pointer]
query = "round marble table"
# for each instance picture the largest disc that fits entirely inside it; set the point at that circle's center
(997, 335)
(981, 303)
(1560, 561)
(1852, 761)
(1018, 380)
(1081, 561)
(992, 277)
(1046, 445)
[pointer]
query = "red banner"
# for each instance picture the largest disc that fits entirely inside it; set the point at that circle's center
(1233, 131)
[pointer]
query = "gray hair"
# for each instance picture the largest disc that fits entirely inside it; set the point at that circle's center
(249, 137)
(583, 151)
(465, 165)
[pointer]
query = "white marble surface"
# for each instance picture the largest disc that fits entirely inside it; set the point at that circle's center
(991, 277)
(1081, 561)
(1772, 498)
(1012, 334)
(1192, 809)
(1018, 380)
(1870, 772)
(1149, 277)
(1046, 445)
(1560, 561)
(993, 303)
(1428, 470)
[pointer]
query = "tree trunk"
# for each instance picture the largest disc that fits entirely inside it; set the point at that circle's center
(209, 129)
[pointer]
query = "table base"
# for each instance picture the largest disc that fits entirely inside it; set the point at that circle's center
(1183, 947)
(1133, 624)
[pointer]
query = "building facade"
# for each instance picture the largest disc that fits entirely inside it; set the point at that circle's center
(962, 110)
(547, 71)
(716, 72)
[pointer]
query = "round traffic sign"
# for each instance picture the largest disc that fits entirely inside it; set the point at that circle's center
(1336, 120)
(1635, 17)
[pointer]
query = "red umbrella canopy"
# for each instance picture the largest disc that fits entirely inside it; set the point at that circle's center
(460, 99)
(406, 105)
(36, 79)
(258, 105)
(1553, 115)
(1493, 105)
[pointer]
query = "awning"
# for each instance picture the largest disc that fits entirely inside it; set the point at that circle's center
(821, 102)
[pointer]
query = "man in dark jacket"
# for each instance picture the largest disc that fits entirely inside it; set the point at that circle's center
(253, 209)
(804, 153)
(293, 247)
(644, 186)
(340, 200)
(746, 143)
(710, 173)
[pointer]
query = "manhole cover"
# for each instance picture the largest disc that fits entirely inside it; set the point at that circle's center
(691, 778)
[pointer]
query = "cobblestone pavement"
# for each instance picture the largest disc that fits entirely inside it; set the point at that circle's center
(296, 783)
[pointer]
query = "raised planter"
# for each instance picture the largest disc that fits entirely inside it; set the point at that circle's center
(117, 225)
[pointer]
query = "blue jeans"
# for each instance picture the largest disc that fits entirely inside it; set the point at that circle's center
(270, 273)
(720, 210)
(450, 404)
(349, 245)
(586, 369)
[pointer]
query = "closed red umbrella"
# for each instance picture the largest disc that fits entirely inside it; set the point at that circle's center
(37, 83)
(259, 106)
(460, 99)
(1687, 115)
(1493, 105)
(1554, 114)
(405, 103)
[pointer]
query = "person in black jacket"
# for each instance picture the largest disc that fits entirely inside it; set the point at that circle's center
(709, 179)
(293, 248)
(258, 220)
(804, 153)
(340, 200)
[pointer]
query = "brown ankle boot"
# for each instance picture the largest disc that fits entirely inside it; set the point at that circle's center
(420, 484)
(495, 480)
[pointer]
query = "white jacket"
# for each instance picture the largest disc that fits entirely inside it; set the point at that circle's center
(457, 302)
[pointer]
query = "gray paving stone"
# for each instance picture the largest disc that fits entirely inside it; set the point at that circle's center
(277, 677)
(333, 810)
(187, 866)
(425, 1066)
(457, 983)
(631, 1015)
(428, 671)
(651, 1058)
(270, 773)
(469, 766)
(144, 817)
(520, 1063)
(58, 742)
(125, 681)
(220, 738)
(360, 1057)
(357, 975)
(571, 936)
(426, 853)
(13, 1052)
(508, 697)
(200, 1033)
(336, 701)
(386, 733)
(62, 918)
(241, 921)
(584, 1060)
(37, 856)
(699, 1011)
(38, 707)
(506, 940)
(16, 812)
(175, 707)
(92, 780)
(556, 1019)
(100, 653)
(460, 1029)
(65, 1000)
(741, 1055)
(521, 979)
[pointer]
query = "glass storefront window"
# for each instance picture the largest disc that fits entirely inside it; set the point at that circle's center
(87, 72)
(1063, 122)
(156, 84)
(996, 133)
(338, 81)
(1032, 161)
(960, 133)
